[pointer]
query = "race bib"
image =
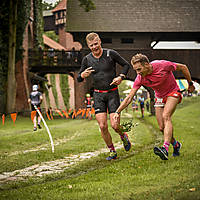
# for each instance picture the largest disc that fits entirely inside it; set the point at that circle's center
(159, 102)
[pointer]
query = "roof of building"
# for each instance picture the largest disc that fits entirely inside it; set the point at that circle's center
(51, 43)
(60, 6)
(135, 16)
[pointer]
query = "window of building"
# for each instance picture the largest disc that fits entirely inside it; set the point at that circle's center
(106, 40)
(127, 40)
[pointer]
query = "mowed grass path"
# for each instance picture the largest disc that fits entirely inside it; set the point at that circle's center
(137, 174)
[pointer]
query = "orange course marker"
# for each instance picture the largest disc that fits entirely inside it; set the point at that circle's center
(33, 114)
(48, 116)
(58, 111)
(3, 119)
(66, 115)
(14, 117)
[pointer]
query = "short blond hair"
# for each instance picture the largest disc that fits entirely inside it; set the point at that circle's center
(139, 58)
(91, 36)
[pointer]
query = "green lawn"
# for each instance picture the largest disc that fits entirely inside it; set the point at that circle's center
(137, 174)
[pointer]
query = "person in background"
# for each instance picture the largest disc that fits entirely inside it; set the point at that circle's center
(36, 99)
(101, 65)
(134, 105)
(147, 105)
(89, 102)
(141, 102)
(158, 75)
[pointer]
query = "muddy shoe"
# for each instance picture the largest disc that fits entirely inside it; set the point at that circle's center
(39, 126)
(161, 152)
(177, 149)
(112, 156)
(126, 142)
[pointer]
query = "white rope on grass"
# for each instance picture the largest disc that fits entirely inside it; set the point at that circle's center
(52, 144)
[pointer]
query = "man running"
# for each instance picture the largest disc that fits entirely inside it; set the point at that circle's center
(101, 65)
(158, 75)
(36, 99)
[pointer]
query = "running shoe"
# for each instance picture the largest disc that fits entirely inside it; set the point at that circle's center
(177, 149)
(126, 142)
(162, 152)
(39, 126)
(34, 129)
(112, 156)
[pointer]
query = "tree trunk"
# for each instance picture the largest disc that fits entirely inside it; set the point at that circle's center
(11, 88)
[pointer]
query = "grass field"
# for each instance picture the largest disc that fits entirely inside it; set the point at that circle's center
(78, 169)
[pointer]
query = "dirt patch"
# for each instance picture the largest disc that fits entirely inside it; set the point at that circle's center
(50, 167)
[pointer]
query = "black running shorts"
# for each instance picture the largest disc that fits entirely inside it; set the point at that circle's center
(33, 108)
(104, 102)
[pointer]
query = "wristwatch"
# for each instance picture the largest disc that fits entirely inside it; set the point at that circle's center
(117, 112)
(122, 76)
(190, 83)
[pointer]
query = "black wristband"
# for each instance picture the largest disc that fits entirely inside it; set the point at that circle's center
(117, 112)
(190, 83)
(122, 77)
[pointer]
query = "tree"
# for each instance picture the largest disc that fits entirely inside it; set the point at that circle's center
(15, 21)
(87, 5)
(4, 26)
(11, 89)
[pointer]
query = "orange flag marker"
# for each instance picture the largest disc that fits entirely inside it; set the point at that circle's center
(74, 114)
(33, 114)
(66, 115)
(3, 119)
(48, 116)
(83, 112)
(14, 117)
(93, 111)
(58, 111)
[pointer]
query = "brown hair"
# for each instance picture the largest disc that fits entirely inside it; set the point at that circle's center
(91, 36)
(139, 58)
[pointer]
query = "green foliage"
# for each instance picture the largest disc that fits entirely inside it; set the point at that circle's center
(87, 5)
(64, 88)
(4, 17)
(49, 6)
(137, 174)
(53, 83)
(127, 126)
(23, 13)
(38, 23)
(122, 87)
(52, 35)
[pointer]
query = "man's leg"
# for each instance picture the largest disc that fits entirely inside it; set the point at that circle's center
(35, 123)
(124, 137)
(168, 130)
(160, 120)
(142, 110)
(168, 111)
(39, 120)
(103, 125)
(159, 117)
(102, 121)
